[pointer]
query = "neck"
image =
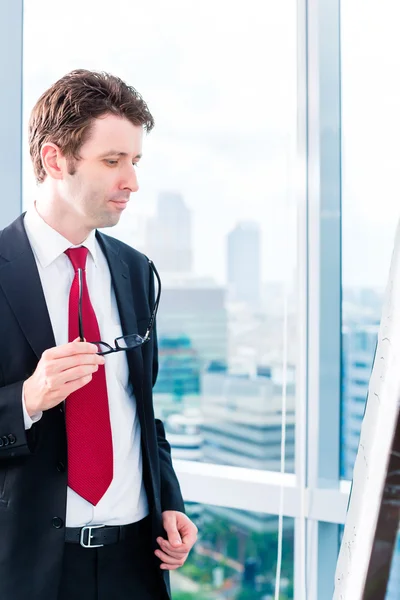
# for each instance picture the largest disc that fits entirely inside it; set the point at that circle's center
(62, 222)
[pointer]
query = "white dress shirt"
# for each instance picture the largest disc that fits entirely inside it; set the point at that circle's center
(125, 500)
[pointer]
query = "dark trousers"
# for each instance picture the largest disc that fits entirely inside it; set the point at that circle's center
(126, 570)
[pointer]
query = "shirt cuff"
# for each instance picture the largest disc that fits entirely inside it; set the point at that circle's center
(29, 421)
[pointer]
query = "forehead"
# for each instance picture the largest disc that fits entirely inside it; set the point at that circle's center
(114, 132)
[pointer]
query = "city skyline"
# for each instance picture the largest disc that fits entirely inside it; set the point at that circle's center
(168, 239)
(229, 168)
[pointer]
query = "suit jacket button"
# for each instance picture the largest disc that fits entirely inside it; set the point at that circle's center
(1, 442)
(60, 466)
(5, 440)
(57, 522)
(11, 438)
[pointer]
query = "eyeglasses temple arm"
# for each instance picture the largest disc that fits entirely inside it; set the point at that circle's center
(153, 316)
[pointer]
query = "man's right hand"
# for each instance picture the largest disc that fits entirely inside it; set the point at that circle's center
(60, 371)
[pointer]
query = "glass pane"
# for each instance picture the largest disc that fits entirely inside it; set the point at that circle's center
(235, 557)
(224, 245)
(102, 347)
(129, 341)
(371, 188)
(216, 206)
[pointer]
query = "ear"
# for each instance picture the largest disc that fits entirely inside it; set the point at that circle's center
(52, 160)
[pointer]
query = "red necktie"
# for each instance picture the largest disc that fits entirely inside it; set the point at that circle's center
(87, 414)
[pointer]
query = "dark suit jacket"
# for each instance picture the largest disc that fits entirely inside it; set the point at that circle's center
(33, 463)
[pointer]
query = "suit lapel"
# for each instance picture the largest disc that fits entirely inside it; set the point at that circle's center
(20, 282)
(121, 280)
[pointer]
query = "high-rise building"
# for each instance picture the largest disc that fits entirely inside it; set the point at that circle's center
(176, 396)
(358, 342)
(169, 235)
(244, 263)
(184, 435)
(195, 308)
(178, 367)
(241, 426)
(242, 418)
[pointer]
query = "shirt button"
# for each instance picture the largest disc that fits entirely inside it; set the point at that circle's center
(57, 522)
(60, 466)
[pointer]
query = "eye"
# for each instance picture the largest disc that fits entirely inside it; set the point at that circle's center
(135, 164)
(111, 162)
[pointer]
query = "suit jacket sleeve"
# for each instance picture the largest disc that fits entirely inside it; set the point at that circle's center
(14, 440)
(171, 496)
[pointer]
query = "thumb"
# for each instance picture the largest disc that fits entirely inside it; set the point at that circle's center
(172, 531)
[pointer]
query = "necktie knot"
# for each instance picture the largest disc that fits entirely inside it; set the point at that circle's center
(78, 257)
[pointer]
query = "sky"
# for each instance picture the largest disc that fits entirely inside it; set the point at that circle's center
(220, 79)
(370, 134)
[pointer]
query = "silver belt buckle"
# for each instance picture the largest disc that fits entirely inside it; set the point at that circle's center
(89, 528)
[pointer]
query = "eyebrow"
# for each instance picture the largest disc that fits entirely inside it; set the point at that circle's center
(117, 153)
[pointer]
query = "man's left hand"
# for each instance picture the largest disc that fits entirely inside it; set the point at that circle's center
(182, 535)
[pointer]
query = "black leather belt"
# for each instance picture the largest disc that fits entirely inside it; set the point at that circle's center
(94, 536)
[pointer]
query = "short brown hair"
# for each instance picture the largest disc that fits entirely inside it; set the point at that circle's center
(64, 114)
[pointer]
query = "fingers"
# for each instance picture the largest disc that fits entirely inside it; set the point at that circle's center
(170, 562)
(61, 371)
(165, 545)
(72, 386)
(189, 539)
(80, 360)
(75, 347)
(170, 523)
(74, 373)
(172, 558)
(58, 372)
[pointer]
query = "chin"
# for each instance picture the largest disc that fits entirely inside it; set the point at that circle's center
(108, 221)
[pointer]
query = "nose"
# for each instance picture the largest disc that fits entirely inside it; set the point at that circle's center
(130, 181)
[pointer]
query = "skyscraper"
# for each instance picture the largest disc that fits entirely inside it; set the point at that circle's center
(169, 235)
(178, 367)
(195, 308)
(359, 341)
(242, 417)
(244, 263)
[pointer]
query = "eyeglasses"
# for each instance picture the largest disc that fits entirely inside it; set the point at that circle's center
(125, 342)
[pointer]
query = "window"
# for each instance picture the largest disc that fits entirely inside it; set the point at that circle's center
(371, 157)
(215, 210)
(235, 555)
(370, 208)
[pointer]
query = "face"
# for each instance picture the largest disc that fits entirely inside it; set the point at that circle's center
(95, 190)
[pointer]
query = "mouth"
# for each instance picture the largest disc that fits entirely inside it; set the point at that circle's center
(120, 203)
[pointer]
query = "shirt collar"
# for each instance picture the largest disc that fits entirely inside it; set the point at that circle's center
(47, 244)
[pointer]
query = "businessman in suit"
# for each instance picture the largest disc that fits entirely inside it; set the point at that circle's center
(90, 506)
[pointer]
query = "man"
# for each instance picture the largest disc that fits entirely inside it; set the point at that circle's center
(90, 506)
